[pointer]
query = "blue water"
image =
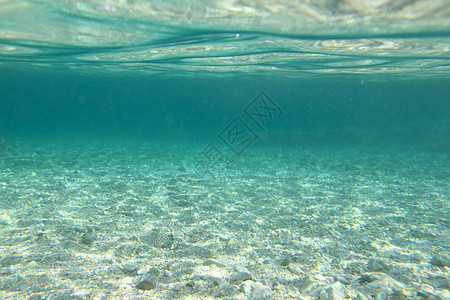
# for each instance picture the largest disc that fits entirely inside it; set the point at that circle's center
(166, 134)
(194, 109)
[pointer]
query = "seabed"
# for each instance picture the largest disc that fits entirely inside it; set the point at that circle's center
(141, 220)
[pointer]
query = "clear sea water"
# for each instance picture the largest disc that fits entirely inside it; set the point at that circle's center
(167, 133)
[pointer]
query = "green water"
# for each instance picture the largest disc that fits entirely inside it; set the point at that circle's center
(275, 136)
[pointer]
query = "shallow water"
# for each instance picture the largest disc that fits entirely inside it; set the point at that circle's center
(295, 39)
(230, 150)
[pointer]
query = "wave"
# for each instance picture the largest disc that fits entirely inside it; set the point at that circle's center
(409, 38)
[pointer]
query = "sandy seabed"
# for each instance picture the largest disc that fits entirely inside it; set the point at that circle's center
(125, 220)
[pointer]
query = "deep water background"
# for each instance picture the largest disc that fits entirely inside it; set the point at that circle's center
(334, 111)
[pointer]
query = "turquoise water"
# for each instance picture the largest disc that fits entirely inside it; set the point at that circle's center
(230, 150)
(380, 39)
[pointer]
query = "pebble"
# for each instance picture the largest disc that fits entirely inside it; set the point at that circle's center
(418, 257)
(177, 287)
(383, 295)
(188, 271)
(440, 261)
(32, 265)
(360, 296)
(286, 261)
(247, 287)
(377, 265)
(6, 271)
(225, 238)
(426, 290)
(154, 271)
(241, 269)
(19, 283)
(310, 287)
(43, 279)
(407, 293)
(190, 284)
(11, 260)
(256, 290)
(210, 262)
(440, 282)
(64, 296)
(147, 283)
(270, 282)
(380, 284)
(241, 274)
(142, 271)
(88, 238)
(261, 292)
(129, 267)
(294, 269)
(127, 280)
(320, 277)
(167, 274)
(336, 291)
(215, 280)
(5, 219)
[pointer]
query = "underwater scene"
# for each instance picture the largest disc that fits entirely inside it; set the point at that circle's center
(224, 149)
